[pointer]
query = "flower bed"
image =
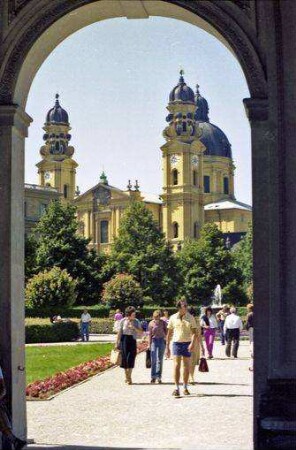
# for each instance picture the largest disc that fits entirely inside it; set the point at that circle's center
(43, 389)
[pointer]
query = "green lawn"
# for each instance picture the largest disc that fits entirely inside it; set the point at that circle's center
(42, 362)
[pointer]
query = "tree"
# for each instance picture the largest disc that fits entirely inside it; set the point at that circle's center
(243, 254)
(234, 294)
(122, 291)
(30, 256)
(141, 250)
(205, 263)
(59, 244)
(51, 288)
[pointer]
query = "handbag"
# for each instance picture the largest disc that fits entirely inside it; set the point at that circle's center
(115, 357)
(203, 365)
(148, 359)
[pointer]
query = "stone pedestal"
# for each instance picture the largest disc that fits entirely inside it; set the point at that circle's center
(13, 129)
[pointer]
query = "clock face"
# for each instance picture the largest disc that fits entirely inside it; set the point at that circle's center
(47, 175)
(174, 159)
(194, 160)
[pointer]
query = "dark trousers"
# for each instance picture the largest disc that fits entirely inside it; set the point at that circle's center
(221, 328)
(85, 331)
(232, 337)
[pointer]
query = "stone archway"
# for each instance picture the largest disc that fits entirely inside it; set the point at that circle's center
(254, 32)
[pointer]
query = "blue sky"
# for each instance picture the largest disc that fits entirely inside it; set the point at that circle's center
(114, 79)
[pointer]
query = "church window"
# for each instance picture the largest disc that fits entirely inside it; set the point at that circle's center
(25, 209)
(175, 230)
(207, 184)
(104, 231)
(226, 185)
(195, 230)
(65, 191)
(175, 177)
(57, 147)
(195, 180)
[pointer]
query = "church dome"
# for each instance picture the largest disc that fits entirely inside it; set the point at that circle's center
(57, 114)
(213, 138)
(202, 107)
(182, 92)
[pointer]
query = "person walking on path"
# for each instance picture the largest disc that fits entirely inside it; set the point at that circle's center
(157, 331)
(117, 319)
(85, 324)
(232, 328)
(195, 353)
(182, 329)
(209, 324)
(130, 328)
(221, 316)
(165, 316)
(5, 425)
(250, 328)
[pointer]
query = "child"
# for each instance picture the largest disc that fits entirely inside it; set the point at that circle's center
(117, 319)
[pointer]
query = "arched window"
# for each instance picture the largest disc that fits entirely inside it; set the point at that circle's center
(175, 177)
(175, 230)
(226, 185)
(195, 230)
(65, 191)
(194, 178)
(104, 231)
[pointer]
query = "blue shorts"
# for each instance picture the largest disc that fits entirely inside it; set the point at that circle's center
(181, 349)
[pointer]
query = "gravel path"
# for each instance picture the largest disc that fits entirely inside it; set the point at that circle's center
(106, 413)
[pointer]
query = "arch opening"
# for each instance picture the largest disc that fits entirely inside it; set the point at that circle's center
(50, 35)
(80, 17)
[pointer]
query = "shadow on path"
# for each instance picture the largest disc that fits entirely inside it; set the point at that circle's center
(213, 395)
(196, 383)
(40, 446)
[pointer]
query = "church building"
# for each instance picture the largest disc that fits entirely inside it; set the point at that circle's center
(198, 177)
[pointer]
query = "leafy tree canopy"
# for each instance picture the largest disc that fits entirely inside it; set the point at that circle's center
(122, 291)
(50, 288)
(243, 254)
(204, 263)
(30, 256)
(59, 244)
(141, 250)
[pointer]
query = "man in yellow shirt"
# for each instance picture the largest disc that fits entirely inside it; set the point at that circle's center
(182, 328)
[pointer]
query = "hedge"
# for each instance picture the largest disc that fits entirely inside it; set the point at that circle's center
(102, 326)
(39, 330)
(44, 332)
(98, 311)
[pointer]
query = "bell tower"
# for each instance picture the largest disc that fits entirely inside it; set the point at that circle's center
(57, 168)
(182, 161)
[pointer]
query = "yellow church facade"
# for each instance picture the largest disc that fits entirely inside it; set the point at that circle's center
(198, 177)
